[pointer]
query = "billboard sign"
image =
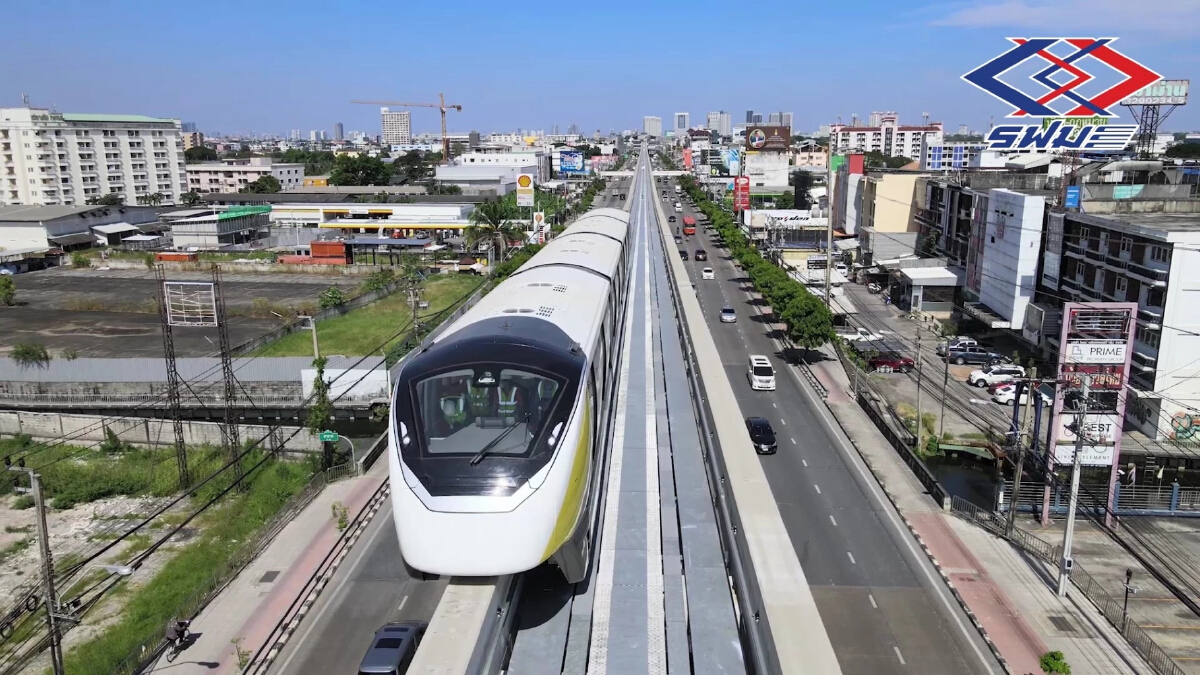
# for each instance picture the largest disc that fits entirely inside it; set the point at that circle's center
(1096, 351)
(777, 138)
(733, 160)
(1071, 201)
(741, 193)
(525, 190)
(1163, 92)
(1099, 429)
(687, 158)
(570, 161)
(1058, 68)
(1092, 455)
(540, 226)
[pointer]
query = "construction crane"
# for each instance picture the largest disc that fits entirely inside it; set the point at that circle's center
(440, 105)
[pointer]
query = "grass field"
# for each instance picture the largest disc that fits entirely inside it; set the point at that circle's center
(361, 331)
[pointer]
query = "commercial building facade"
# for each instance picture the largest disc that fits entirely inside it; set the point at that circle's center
(409, 219)
(231, 175)
(50, 158)
(396, 126)
(208, 229)
(682, 122)
(31, 234)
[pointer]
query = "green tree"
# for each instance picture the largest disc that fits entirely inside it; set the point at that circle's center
(379, 280)
(8, 290)
(110, 199)
(786, 200)
(152, 199)
(1054, 663)
(802, 181)
(264, 185)
(1184, 151)
(80, 260)
(436, 188)
(491, 222)
(361, 170)
(200, 153)
(331, 297)
(191, 198)
(320, 413)
(29, 354)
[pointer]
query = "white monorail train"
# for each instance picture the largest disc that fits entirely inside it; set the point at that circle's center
(496, 434)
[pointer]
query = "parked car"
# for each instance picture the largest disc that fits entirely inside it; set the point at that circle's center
(761, 435)
(393, 648)
(708, 273)
(964, 355)
(1007, 396)
(701, 254)
(728, 315)
(955, 343)
(994, 374)
(890, 362)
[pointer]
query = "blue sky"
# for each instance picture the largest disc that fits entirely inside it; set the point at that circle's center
(271, 67)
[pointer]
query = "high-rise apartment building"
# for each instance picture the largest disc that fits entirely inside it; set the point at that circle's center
(720, 122)
(785, 118)
(757, 118)
(312, 135)
(888, 136)
(773, 118)
(682, 122)
(338, 131)
(712, 120)
(67, 158)
(749, 117)
(188, 127)
(652, 126)
(396, 126)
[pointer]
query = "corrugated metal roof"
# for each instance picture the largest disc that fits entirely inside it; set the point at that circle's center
(201, 369)
(90, 117)
(36, 214)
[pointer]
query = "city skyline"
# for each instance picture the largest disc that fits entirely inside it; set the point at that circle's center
(912, 63)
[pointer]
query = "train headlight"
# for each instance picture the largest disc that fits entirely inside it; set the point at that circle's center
(405, 439)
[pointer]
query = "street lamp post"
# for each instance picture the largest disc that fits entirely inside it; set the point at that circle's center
(1129, 588)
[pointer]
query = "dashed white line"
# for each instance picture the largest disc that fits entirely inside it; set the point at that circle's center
(851, 556)
(804, 462)
(773, 405)
(899, 656)
(830, 519)
(402, 602)
(872, 599)
(818, 488)
(784, 422)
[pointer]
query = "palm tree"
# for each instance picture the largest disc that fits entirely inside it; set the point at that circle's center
(491, 222)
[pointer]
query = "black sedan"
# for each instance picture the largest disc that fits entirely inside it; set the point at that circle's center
(761, 435)
(701, 254)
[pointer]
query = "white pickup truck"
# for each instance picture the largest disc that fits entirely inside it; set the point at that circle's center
(857, 334)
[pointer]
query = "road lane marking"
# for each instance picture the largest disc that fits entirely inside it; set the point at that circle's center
(784, 422)
(872, 599)
(899, 655)
(792, 440)
(851, 555)
(402, 603)
(804, 462)
(832, 520)
(818, 488)
(655, 610)
(773, 405)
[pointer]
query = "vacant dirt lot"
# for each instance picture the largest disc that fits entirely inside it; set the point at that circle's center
(111, 313)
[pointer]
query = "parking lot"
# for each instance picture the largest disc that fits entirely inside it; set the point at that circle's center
(112, 313)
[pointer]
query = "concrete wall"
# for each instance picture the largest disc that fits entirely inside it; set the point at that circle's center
(250, 268)
(208, 393)
(89, 429)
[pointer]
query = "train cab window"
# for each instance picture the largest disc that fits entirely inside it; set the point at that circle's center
(480, 410)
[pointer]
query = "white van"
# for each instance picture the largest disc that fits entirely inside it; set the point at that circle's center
(761, 374)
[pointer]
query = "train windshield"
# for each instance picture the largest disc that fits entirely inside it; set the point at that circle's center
(495, 412)
(484, 429)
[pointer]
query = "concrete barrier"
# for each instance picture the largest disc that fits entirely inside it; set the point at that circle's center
(90, 429)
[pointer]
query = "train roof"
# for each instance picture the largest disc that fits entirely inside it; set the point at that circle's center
(613, 223)
(585, 250)
(571, 298)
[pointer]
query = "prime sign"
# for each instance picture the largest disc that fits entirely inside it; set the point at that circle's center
(1096, 351)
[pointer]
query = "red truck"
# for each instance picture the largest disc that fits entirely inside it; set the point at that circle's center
(689, 225)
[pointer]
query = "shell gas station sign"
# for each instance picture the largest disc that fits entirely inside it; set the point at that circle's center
(525, 190)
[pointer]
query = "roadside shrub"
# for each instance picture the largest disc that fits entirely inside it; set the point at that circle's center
(8, 291)
(23, 502)
(1055, 663)
(80, 259)
(379, 280)
(30, 354)
(331, 297)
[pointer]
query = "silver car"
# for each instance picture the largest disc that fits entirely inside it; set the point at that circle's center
(728, 315)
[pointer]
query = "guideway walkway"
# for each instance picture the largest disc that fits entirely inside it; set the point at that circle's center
(248, 609)
(1011, 595)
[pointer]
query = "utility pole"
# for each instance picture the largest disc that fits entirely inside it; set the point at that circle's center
(945, 383)
(919, 369)
(35, 487)
(1067, 563)
(829, 298)
(1016, 493)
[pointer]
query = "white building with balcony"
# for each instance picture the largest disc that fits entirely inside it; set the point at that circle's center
(888, 136)
(231, 175)
(1152, 259)
(52, 158)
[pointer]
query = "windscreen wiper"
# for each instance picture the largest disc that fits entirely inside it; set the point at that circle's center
(487, 449)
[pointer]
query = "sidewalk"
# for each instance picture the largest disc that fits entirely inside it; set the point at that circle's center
(256, 600)
(1010, 596)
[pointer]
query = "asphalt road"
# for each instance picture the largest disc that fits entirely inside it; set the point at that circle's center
(875, 594)
(370, 589)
